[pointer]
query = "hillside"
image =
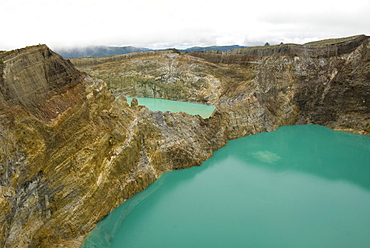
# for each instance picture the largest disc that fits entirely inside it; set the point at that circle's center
(97, 51)
(71, 152)
(106, 51)
(215, 48)
(207, 77)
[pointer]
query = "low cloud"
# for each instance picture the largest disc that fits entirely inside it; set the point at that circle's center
(164, 23)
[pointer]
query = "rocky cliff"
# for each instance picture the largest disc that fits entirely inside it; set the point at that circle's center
(164, 74)
(299, 88)
(71, 152)
(256, 88)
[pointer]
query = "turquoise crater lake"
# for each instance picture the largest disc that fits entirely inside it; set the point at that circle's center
(299, 186)
(158, 104)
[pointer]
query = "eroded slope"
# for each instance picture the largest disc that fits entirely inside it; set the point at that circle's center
(74, 152)
(71, 152)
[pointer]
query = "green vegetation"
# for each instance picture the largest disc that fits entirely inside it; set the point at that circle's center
(331, 41)
(174, 50)
(1, 62)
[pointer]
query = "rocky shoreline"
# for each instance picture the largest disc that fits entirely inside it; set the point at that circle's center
(71, 152)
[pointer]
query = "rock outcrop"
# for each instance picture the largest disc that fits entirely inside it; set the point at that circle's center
(164, 74)
(288, 88)
(71, 152)
(255, 89)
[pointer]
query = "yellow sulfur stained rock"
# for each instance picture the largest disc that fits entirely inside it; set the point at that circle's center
(70, 152)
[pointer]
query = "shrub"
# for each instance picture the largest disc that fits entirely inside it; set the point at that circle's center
(175, 50)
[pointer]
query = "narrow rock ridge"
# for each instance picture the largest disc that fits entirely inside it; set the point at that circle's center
(70, 152)
(321, 49)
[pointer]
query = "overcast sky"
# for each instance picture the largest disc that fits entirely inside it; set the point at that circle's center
(177, 23)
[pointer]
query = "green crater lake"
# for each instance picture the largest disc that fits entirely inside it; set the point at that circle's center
(157, 104)
(299, 186)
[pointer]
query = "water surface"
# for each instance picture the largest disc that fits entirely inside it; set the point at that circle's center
(157, 104)
(300, 186)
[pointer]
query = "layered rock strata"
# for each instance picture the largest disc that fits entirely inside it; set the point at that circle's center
(164, 74)
(287, 89)
(324, 83)
(71, 152)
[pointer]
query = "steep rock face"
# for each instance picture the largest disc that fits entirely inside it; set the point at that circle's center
(338, 94)
(163, 74)
(320, 49)
(288, 89)
(69, 157)
(260, 88)
(70, 152)
(30, 77)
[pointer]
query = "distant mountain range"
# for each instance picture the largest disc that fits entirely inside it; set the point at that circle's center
(97, 51)
(217, 48)
(104, 51)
